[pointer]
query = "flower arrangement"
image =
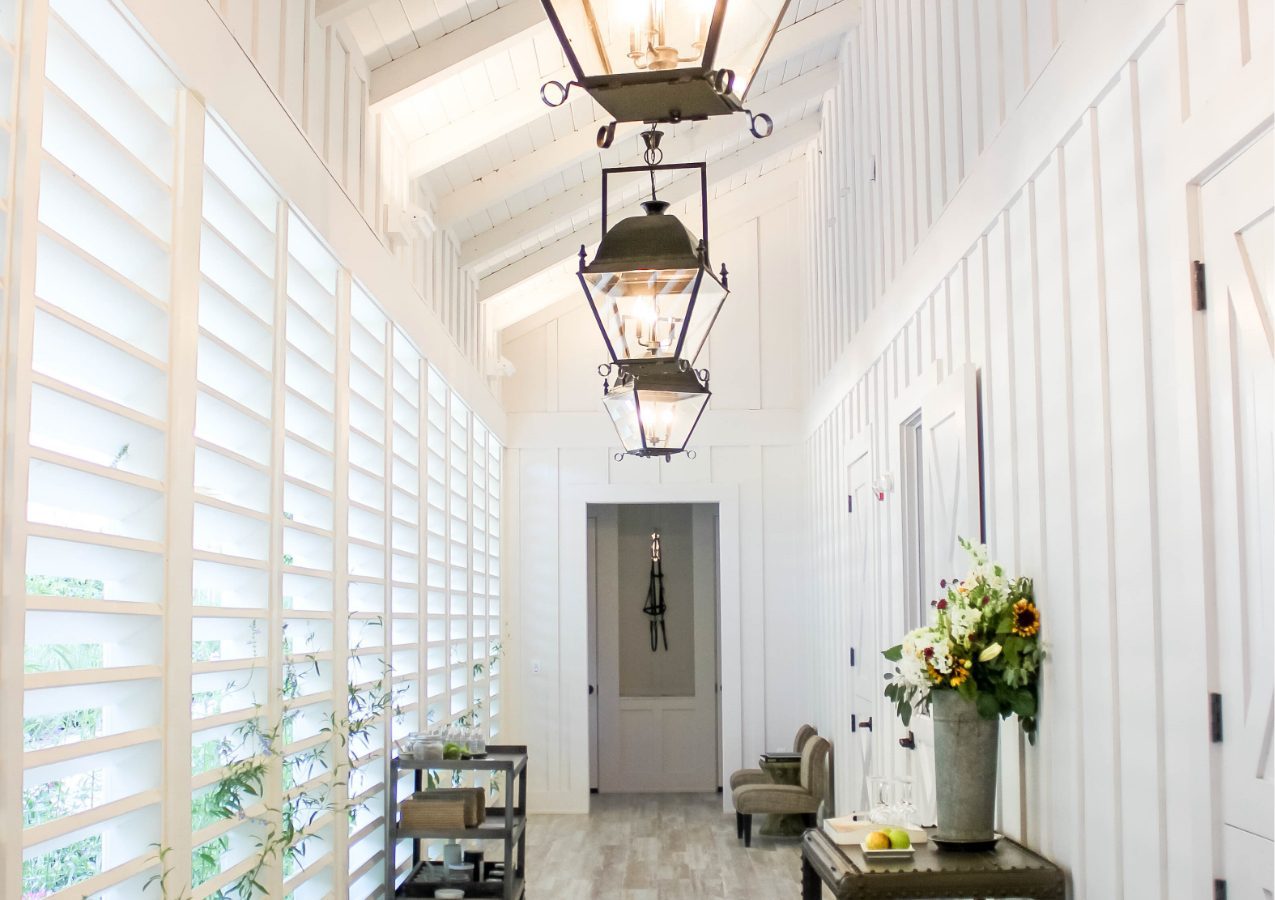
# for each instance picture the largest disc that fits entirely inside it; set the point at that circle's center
(984, 643)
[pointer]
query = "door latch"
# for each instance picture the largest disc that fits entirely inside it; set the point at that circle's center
(909, 742)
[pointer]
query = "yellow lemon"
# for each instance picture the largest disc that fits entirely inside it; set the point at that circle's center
(877, 840)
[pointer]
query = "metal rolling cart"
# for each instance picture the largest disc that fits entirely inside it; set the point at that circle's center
(507, 824)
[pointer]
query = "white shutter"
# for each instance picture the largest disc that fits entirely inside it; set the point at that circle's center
(95, 535)
(335, 504)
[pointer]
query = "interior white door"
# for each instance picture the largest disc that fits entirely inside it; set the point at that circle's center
(664, 743)
(952, 497)
(592, 581)
(1238, 241)
(863, 601)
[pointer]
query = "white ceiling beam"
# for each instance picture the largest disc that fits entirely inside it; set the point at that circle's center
(555, 291)
(578, 146)
(480, 127)
(684, 188)
(463, 48)
(330, 12)
(691, 146)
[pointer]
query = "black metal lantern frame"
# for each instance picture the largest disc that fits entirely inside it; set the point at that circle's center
(664, 245)
(664, 90)
(655, 406)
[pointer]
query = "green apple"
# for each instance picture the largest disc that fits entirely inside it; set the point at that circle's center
(899, 839)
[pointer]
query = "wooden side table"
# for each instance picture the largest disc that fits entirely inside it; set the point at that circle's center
(1011, 870)
(782, 770)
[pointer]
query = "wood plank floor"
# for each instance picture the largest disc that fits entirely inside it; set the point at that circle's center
(656, 847)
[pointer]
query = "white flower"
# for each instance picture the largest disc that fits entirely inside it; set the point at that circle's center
(964, 619)
(913, 672)
(941, 659)
(990, 652)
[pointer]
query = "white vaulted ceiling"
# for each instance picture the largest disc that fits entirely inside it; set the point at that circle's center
(518, 184)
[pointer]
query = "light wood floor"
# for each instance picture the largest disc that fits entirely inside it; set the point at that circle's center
(656, 847)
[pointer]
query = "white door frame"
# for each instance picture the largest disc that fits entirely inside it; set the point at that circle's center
(574, 635)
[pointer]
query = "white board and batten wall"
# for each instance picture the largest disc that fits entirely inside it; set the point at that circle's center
(559, 458)
(1015, 189)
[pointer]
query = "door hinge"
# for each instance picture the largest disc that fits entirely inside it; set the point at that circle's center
(1215, 718)
(1219, 889)
(1198, 293)
(850, 503)
(852, 656)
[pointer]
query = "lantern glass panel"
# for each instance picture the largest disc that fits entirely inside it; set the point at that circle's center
(746, 31)
(620, 37)
(646, 313)
(654, 420)
(621, 406)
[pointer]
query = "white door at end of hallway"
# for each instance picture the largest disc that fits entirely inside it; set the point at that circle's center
(652, 739)
(1237, 230)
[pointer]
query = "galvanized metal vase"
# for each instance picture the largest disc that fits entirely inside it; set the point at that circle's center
(965, 748)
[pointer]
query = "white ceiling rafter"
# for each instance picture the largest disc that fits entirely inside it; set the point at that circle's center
(523, 105)
(466, 47)
(330, 12)
(526, 171)
(482, 126)
(564, 248)
(694, 145)
(554, 290)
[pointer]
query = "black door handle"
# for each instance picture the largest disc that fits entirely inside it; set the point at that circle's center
(590, 689)
(909, 742)
(856, 723)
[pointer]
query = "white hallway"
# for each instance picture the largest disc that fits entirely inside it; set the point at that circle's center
(265, 258)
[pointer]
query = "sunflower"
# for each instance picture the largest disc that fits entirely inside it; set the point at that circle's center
(1026, 619)
(960, 672)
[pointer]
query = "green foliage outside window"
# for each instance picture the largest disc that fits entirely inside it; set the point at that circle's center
(57, 586)
(47, 874)
(39, 732)
(63, 797)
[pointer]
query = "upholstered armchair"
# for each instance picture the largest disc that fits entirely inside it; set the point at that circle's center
(757, 776)
(801, 799)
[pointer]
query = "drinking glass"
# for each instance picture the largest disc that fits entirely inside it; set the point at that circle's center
(878, 799)
(904, 808)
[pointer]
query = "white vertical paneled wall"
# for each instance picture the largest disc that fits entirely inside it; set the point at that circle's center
(560, 449)
(925, 86)
(320, 81)
(1068, 288)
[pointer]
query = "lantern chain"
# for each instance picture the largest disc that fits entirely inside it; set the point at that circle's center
(652, 155)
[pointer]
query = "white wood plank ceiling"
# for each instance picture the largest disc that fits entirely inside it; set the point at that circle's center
(519, 184)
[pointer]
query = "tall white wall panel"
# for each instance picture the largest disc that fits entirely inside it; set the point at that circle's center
(1072, 299)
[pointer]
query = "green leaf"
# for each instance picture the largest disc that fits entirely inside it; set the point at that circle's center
(988, 707)
(905, 712)
(1023, 703)
(894, 654)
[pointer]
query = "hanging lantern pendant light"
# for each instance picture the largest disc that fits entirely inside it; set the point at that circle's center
(651, 286)
(664, 60)
(655, 406)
